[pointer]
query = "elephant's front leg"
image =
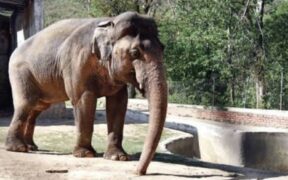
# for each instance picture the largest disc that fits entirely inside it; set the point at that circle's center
(116, 107)
(84, 112)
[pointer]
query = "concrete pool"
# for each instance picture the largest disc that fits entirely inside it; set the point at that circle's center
(260, 148)
(264, 148)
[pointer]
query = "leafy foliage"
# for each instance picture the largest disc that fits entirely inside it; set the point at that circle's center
(212, 51)
(216, 52)
(55, 10)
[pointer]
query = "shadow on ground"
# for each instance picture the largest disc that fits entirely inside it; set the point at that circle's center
(99, 119)
(239, 172)
(234, 171)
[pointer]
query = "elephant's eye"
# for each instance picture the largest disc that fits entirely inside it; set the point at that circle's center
(134, 53)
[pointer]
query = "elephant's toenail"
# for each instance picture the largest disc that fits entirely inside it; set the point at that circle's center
(114, 157)
(89, 154)
(123, 158)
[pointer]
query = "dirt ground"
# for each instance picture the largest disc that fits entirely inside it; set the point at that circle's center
(45, 166)
(58, 166)
(42, 165)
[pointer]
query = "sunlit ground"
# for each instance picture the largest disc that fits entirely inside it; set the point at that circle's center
(61, 138)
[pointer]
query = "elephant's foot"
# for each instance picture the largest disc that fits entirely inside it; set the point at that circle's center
(116, 154)
(14, 144)
(32, 146)
(84, 152)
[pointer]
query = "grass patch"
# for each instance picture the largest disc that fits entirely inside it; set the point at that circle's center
(62, 140)
(101, 103)
(3, 133)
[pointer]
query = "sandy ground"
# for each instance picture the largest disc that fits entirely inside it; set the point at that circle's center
(42, 165)
(53, 165)
(57, 166)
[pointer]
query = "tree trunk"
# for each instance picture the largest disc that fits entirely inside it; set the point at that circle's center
(281, 90)
(260, 92)
(229, 60)
(259, 72)
(137, 5)
(232, 91)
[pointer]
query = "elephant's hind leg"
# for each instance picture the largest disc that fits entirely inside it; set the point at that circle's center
(30, 125)
(25, 95)
(29, 130)
(116, 107)
(15, 138)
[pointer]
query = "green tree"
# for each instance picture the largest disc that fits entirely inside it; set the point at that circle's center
(55, 10)
(276, 26)
(222, 53)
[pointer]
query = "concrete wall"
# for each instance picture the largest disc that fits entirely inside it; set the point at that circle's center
(184, 146)
(266, 150)
(224, 143)
(247, 118)
(255, 117)
(260, 150)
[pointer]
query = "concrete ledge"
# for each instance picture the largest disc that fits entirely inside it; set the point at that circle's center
(181, 145)
(254, 117)
(255, 147)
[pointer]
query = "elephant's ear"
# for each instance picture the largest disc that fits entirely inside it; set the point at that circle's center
(101, 43)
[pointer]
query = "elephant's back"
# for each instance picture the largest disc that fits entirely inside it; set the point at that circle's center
(37, 55)
(61, 29)
(49, 39)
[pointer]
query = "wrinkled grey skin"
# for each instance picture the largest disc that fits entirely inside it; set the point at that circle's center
(81, 60)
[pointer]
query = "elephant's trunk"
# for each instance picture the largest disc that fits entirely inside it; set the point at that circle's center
(156, 89)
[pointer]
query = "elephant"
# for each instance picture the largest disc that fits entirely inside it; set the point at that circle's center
(84, 59)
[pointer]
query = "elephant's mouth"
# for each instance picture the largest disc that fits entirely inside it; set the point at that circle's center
(142, 91)
(139, 86)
